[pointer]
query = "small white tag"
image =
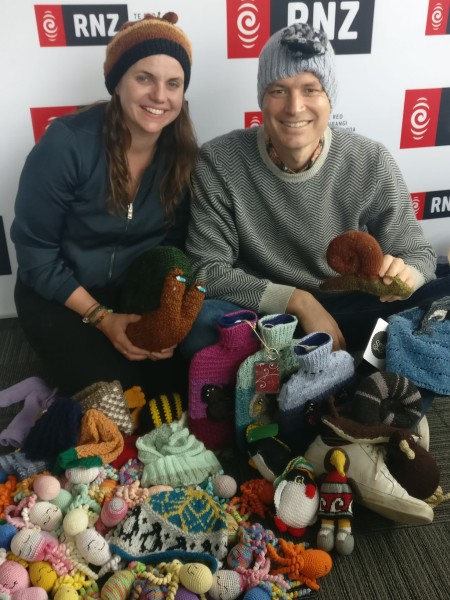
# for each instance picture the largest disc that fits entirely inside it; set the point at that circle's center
(375, 353)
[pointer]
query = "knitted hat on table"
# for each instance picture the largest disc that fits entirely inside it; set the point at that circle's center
(185, 524)
(173, 456)
(293, 50)
(146, 37)
(358, 257)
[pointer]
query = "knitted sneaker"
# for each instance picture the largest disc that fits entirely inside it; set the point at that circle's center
(378, 489)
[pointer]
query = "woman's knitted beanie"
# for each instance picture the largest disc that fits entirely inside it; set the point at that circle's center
(146, 37)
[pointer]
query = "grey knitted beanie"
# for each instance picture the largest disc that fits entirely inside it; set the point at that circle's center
(293, 50)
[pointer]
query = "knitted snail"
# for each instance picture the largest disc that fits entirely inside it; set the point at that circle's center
(357, 257)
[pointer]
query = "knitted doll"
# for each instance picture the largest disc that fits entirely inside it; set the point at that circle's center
(358, 257)
(160, 287)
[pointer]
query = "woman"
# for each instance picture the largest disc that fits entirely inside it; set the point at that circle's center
(101, 187)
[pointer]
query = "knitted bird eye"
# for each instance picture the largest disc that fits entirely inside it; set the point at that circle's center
(303, 41)
(180, 278)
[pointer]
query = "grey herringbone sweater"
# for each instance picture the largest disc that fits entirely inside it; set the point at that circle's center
(256, 233)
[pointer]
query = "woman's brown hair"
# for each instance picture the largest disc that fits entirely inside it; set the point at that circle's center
(177, 143)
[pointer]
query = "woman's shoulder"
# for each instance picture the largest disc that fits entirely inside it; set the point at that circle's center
(84, 121)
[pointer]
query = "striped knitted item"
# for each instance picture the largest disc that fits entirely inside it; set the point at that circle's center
(166, 408)
(277, 332)
(217, 365)
(321, 373)
(149, 36)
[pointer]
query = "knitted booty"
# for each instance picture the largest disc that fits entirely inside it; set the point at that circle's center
(212, 378)
(277, 332)
(321, 373)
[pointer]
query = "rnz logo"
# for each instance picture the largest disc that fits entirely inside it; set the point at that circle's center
(79, 25)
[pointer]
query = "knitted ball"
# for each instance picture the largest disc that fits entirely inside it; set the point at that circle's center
(63, 500)
(151, 35)
(224, 486)
(256, 593)
(93, 547)
(13, 577)
(7, 532)
(118, 586)
(46, 515)
(226, 585)
(42, 574)
(387, 398)
(82, 474)
(31, 593)
(196, 577)
(75, 521)
(46, 487)
(113, 511)
(241, 555)
(66, 592)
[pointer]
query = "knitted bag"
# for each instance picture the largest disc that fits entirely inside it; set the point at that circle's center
(110, 399)
(418, 345)
(213, 370)
(185, 524)
(277, 333)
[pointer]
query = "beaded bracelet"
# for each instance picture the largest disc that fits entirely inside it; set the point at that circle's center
(97, 315)
(102, 315)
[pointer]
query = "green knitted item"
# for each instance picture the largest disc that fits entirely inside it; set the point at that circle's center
(376, 287)
(70, 460)
(145, 278)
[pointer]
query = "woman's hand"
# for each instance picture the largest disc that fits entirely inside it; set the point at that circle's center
(395, 267)
(114, 327)
(313, 317)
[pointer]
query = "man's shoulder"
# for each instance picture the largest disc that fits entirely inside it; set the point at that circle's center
(231, 141)
(354, 139)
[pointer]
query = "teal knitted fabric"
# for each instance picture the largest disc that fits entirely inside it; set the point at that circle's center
(277, 333)
(321, 373)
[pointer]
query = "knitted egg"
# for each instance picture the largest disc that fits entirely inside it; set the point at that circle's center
(63, 500)
(46, 515)
(196, 577)
(46, 487)
(13, 577)
(118, 586)
(227, 585)
(224, 486)
(113, 511)
(82, 474)
(42, 574)
(66, 592)
(93, 547)
(75, 521)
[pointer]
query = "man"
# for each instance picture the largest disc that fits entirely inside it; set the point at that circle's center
(269, 200)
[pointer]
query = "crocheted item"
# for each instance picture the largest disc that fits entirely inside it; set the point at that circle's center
(173, 456)
(299, 564)
(358, 257)
(213, 371)
(256, 498)
(296, 497)
(21, 467)
(321, 373)
(418, 345)
(13, 578)
(158, 288)
(166, 408)
(136, 400)
(110, 400)
(100, 442)
(382, 403)
(185, 524)
(56, 430)
(36, 397)
(277, 332)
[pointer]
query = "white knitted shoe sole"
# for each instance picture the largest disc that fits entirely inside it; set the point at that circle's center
(378, 489)
(423, 431)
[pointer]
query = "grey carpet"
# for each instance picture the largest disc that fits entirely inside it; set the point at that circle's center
(390, 561)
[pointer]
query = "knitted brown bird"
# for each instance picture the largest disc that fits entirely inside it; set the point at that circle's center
(357, 256)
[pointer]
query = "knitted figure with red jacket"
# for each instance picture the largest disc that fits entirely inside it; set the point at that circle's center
(212, 378)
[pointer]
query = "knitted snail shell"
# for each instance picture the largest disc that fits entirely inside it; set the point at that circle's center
(355, 253)
(387, 398)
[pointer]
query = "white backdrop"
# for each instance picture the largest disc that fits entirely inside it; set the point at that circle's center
(371, 98)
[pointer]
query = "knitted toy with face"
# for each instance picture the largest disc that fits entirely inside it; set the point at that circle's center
(357, 257)
(161, 288)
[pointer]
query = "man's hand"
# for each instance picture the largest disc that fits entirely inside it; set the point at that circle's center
(313, 317)
(395, 267)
